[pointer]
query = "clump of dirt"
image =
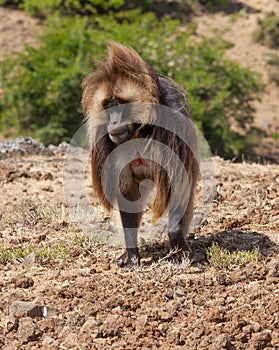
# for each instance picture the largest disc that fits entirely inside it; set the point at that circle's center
(60, 288)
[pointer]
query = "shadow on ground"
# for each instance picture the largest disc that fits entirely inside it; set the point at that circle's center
(232, 240)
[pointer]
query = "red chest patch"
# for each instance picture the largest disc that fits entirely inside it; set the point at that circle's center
(139, 161)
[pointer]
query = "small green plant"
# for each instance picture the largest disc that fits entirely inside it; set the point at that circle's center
(221, 258)
(11, 254)
(53, 253)
(267, 32)
(236, 15)
(45, 253)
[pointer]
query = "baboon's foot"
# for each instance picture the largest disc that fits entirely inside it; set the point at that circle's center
(178, 242)
(130, 258)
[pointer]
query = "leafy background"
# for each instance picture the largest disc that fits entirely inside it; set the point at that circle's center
(42, 85)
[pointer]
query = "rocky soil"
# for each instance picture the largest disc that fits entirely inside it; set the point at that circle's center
(61, 290)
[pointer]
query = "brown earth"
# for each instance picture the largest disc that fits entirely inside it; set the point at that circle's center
(81, 300)
(17, 29)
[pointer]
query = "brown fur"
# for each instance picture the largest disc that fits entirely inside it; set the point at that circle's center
(126, 76)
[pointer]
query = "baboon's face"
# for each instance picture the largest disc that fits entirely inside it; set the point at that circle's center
(117, 96)
(125, 114)
(119, 127)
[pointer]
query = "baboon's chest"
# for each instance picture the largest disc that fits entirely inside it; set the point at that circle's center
(142, 170)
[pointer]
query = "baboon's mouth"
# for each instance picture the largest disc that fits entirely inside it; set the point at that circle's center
(118, 137)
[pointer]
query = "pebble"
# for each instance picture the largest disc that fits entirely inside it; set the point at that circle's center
(26, 329)
(19, 308)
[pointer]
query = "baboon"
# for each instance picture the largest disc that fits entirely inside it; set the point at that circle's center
(124, 100)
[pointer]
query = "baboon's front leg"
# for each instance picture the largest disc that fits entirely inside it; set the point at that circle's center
(130, 223)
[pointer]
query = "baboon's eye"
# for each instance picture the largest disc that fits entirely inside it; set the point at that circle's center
(122, 101)
(106, 104)
(113, 102)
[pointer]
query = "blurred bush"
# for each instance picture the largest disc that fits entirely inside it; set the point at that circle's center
(267, 32)
(43, 8)
(42, 86)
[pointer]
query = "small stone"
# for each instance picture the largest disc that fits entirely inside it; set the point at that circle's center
(90, 326)
(273, 267)
(179, 292)
(116, 310)
(165, 316)
(216, 315)
(222, 342)
(29, 261)
(222, 279)
(26, 329)
(110, 327)
(261, 340)
(106, 267)
(71, 341)
(140, 324)
(230, 299)
(48, 341)
(21, 308)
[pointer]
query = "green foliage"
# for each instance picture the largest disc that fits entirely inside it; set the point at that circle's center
(45, 8)
(69, 7)
(268, 31)
(44, 253)
(10, 2)
(45, 101)
(221, 258)
(273, 68)
(208, 3)
(42, 89)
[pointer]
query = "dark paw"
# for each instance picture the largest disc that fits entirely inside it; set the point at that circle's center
(122, 260)
(180, 245)
(177, 240)
(128, 259)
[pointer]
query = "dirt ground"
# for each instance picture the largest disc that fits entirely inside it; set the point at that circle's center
(78, 298)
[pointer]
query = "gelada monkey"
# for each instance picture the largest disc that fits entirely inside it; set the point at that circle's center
(125, 101)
